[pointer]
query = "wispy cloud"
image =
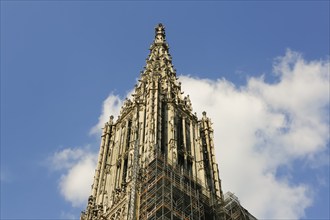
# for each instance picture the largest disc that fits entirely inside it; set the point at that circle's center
(68, 215)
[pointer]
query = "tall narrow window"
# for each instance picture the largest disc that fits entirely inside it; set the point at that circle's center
(128, 140)
(188, 147)
(179, 134)
(117, 175)
(189, 167)
(125, 170)
(164, 128)
(188, 143)
(179, 137)
(206, 161)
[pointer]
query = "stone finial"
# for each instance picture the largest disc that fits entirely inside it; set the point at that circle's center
(111, 119)
(159, 33)
(160, 29)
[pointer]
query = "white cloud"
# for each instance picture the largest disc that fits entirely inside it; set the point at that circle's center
(259, 128)
(111, 106)
(78, 166)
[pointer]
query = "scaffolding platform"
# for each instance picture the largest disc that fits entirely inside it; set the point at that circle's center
(170, 193)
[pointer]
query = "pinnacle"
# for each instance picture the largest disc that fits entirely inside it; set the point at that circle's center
(159, 60)
(160, 33)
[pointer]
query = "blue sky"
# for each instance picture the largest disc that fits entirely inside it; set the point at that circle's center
(62, 62)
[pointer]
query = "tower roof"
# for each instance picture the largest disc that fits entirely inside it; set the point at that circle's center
(159, 60)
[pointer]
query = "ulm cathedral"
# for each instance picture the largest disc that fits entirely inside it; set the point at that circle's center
(157, 160)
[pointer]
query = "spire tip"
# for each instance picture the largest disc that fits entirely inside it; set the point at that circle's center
(160, 33)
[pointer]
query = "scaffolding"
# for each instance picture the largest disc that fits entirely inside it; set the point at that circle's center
(170, 193)
(234, 209)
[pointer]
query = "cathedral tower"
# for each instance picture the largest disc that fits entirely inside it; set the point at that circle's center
(157, 159)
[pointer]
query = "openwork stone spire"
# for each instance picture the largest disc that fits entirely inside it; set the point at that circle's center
(159, 60)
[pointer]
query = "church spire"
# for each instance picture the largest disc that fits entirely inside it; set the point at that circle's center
(157, 160)
(159, 60)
